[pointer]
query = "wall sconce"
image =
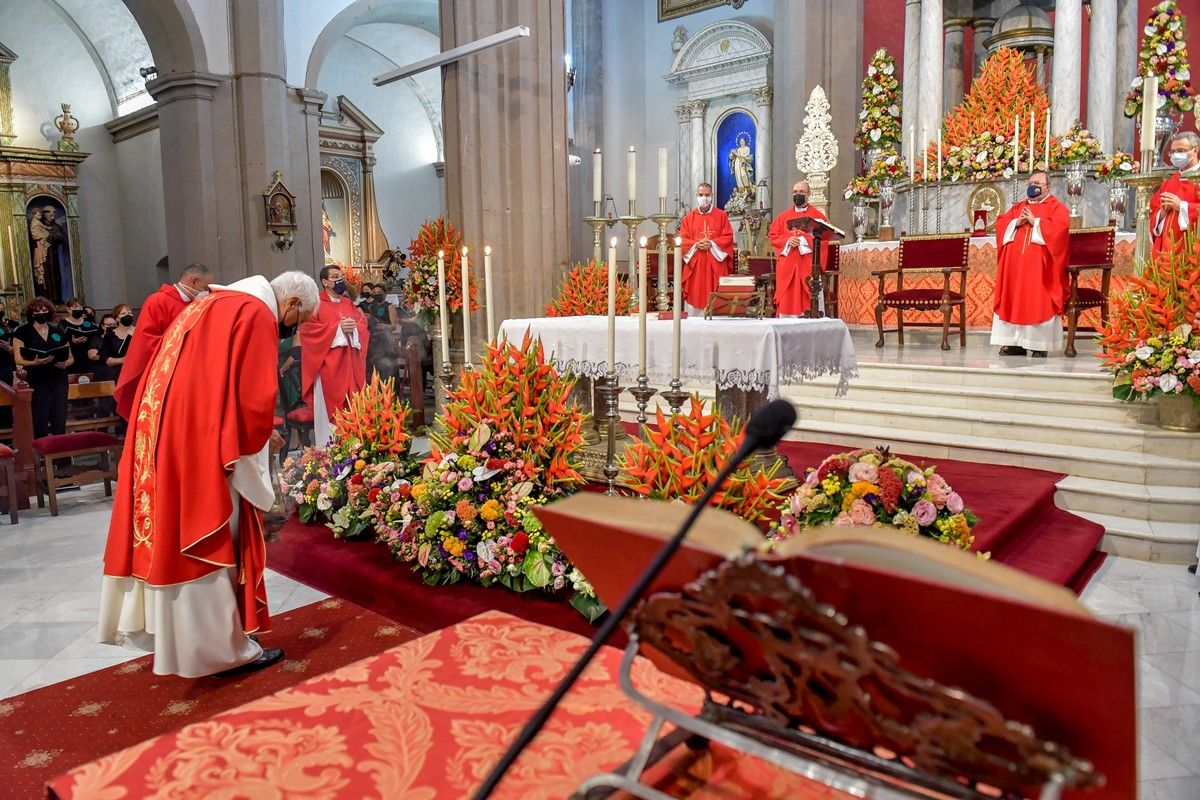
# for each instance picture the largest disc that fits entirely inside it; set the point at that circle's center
(148, 72)
(280, 207)
(570, 72)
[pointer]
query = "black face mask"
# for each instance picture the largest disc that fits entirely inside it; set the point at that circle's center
(339, 286)
(286, 331)
(41, 317)
(379, 298)
(77, 314)
(126, 319)
(799, 200)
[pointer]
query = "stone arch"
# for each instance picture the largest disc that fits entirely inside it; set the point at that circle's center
(422, 14)
(172, 33)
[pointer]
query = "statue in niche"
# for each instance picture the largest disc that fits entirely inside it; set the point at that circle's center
(50, 259)
(280, 211)
(741, 163)
(327, 231)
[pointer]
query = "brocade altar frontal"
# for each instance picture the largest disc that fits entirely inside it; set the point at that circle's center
(858, 290)
(428, 719)
(747, 354)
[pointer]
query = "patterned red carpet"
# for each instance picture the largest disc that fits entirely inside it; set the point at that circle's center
(47, 731)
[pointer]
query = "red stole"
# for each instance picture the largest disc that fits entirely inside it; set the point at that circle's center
(792, 295)
(702, 271)
(1171, 238)
(1031, 279)
(208, 398)
(157, 314)
(342, 370)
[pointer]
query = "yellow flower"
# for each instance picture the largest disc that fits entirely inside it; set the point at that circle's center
(453, 546)
(418, 491)
(491, 510)
(360, 464)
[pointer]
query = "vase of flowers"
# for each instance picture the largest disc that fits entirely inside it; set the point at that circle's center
(1179, 413)
(858, 215)
(1074, 173)
(1118, 196)
(1166, 366)
(887, 199)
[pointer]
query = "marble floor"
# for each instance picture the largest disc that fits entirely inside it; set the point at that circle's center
(50, 581)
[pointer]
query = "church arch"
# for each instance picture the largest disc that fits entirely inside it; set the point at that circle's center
(421, 14)
(171, 31)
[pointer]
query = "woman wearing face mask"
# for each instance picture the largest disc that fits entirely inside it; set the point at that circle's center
(118, 335)
(80, 330)
(45, 353)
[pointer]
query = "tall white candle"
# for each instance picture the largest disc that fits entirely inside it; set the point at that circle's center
(631, 165)
(662, 173)
(1149, 110)
(924, 153)
(443, 311)
(487, 291)
(1016, 144)
(642, 306)
(912, 152)
(612, 304)
(939, 174)
(1032, 136)
(466, 309)
(597, 173)
(1046, 160)
(676, 307)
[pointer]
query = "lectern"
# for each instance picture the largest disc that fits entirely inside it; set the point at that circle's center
(821, 231)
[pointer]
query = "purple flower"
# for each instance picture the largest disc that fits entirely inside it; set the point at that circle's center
(925, 512)
(462, 536)
(954, 503)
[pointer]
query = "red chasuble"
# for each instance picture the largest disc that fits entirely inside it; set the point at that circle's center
(208, 399)
(1171, 236)
(702, 271)
(792, 295)
(159, 310)
(1031, 279)
(342, 370)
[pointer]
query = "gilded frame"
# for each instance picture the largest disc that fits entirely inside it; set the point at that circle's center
(672, 9)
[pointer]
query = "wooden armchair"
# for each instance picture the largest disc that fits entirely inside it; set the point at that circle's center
(945, 254)
(1088, 249)
(763, 270)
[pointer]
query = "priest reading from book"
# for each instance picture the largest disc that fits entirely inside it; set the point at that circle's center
(793, 254)
(186, 555)
(1175, 206)
(1031, 272)
(333, 353)
(707, 249)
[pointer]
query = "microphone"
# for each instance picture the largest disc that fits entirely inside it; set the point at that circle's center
(765, 428)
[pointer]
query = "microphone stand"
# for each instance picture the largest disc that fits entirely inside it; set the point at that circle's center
(752, 442)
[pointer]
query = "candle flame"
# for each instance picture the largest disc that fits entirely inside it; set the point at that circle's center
(679, 241)
(642, 241)
(487, 250)
(464, 251)
(597, 150)
(441, 253)
(612, 242)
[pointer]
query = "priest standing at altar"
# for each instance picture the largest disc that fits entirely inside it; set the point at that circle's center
(1031, 272)
(333, 353)
(793, 254)
(707, 249)
(185, 560)
(1175, 206)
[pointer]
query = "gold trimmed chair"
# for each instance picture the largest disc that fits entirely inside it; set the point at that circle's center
(939, 253)
(1088, 249)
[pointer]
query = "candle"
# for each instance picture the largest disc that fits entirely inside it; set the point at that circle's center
(662, 173)
(1016, 144)
(924, 153)
(1032, 136)
(676, 307)
(466, 309)
(631, 164)
(1046, 161)
(912, 152)
(612, 304)
(597, 194)
(642, 306)
(487, 290)
(939, 174)
(1149, 110)
(443, 312)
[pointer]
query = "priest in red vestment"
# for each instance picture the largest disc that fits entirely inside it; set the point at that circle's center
(184, 564)
(1174, 207)
(707, 249)
(158, 311)
(333, 353)
(793, 254)
(1031, 272)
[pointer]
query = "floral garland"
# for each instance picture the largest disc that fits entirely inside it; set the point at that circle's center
(1163, 53)
(986, 157)
(420, 288)
(879, 119)
(860, 186)
(1116, 166)
(585, 291)
(1076, 146)
(873, 488)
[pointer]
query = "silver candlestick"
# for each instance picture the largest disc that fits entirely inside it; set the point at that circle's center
(642, 392)
(610, 392)
(675, 396)
(939, 208)
(662, 219)
(632, 221)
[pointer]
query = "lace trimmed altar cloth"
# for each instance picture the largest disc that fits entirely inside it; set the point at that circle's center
(753, 355)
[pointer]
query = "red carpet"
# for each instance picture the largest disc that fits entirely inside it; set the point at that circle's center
(52, 729)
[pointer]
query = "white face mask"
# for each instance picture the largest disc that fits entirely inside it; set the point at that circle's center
(1179, 160)
(201, 293)
(703, 200)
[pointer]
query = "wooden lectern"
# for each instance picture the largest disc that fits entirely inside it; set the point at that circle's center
(865, 659)
(821, 231)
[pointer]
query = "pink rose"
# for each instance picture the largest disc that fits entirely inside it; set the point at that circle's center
(465, 485)
(811, 478)
(954, 503)
(843, 519)
(860, 471)
(861, 513)
(925, 512)
(939, 495)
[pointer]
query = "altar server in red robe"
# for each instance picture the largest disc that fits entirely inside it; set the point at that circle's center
(1031, 272)
(183, 569)
(333, 353)
(158, 311)
(1176, 204)
(707, 249)
(793, 254)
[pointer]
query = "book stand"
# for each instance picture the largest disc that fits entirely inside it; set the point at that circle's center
(820, 231)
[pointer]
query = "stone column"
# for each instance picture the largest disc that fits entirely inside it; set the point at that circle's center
(696, 109)
(952, 70)
(7, 134)
(763, 98)
(1102, 83)
(1065, 69)
(684, 156)
(1128, 34)
(310, 249)
(910, 90)
(930, 118)
(983, 32)
(587, 104)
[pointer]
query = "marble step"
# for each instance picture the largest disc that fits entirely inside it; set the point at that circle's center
(1153, 503)
(1171, 542)
(1090, 383)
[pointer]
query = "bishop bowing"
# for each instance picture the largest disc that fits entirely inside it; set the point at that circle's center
(1031, 272)
(333, 353)
(707, 249)
(794, 254)
(1174, 207)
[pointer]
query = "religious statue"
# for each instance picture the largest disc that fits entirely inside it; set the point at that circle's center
(741, 162)
(327, 231)
(281, 210)
(47, 236)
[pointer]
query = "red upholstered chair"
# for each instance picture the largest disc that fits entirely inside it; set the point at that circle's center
(8, 466)
(923, 255)
(300, 421)
(73, 445)
(1089, 249)
(763, 270)
(832, 274)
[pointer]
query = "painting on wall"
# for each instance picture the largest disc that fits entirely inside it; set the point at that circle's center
(735, 168)
(49, 249)
(670, 9)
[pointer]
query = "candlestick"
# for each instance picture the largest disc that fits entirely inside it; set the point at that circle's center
(939, 172)
(1016, 144)
(1032, 136)
(662, 300)
(487, 291)
(443, 311)
(466, 310)
(1046, 161)
(612, 305)
(597, 163)
(924, 152)
(1149, 111)
(631, 164)
(662, 175)
(676, 306)
(642, 306)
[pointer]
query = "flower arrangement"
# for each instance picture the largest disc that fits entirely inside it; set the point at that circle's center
(1116, 166)
(872, 488)
(585, 291)
(420, 287)
(1075, 146)
(1163, 53)
(1162, 365)
(376, 418)
(1005, 87)
(354, 278)
(860, 186)
(986, 157)
(889, 166)
(879, 119)
(679, 457)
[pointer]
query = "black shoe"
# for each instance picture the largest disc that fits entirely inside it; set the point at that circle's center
(1012, 350)
(1038, 353)
(270, 655)
(1192, 569)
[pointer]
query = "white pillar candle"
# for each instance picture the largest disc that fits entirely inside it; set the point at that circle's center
(1046, 161)
(1016, 144)
(662, 173)
(597, 173)
(466, 309)
(676, 307)
(1149, 110)
(912, 152)
(924, 152)
(487, 291)
(1032, 136)
(443, 311)
(612, 304)
(642, 306)
(631, 165)
(939, 174)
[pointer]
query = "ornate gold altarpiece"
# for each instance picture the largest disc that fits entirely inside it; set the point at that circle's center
(347, 140)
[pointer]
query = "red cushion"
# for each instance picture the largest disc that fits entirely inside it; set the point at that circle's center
(913, 297)
(278, 422)
(301, 416)
(1088, 297)
(7, 452)
(66, 442)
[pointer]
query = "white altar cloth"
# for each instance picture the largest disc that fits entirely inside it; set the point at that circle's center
(747, 354)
